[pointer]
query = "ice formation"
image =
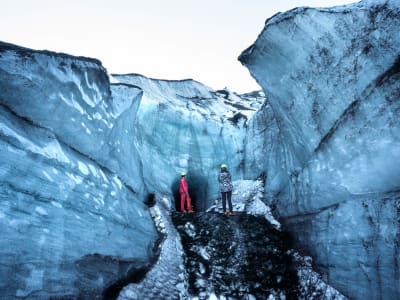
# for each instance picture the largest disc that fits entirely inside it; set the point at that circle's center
(184, 125)
(80, 154)
(328, 138)
(71, 213)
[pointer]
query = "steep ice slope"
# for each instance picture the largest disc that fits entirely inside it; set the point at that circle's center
(72, 98)
(72, 220)
(331, 140)
(186, 126)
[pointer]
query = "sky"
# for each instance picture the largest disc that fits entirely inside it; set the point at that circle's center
(165, 39)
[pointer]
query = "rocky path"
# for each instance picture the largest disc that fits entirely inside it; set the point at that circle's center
(208, 255)
(238, 257)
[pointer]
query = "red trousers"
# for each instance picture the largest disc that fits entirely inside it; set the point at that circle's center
(185, 198)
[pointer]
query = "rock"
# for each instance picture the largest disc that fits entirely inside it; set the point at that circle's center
(222, 257)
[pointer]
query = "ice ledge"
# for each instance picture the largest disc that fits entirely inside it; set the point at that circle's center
(4, 46)
(291, 14)
(348, 8)
(155, 79)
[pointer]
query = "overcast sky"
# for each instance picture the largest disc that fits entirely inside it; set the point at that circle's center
(168, 39)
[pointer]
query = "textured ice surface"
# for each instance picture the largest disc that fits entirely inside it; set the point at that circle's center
(167, 279)
(72, 98)
(248, 197)
(328, 138)
(186, 126)
(78, 155)
(81, 154)
(72, 220)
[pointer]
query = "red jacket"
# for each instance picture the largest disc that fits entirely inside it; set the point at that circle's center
(183, 186)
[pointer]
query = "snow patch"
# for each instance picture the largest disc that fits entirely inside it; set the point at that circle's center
(77, 179)
(56, 204)
(41, 211)
(47, 176)
(93, 170)
(312, 286)
(97, 116)
(118, 182)
(72, 103)
(248, 196)
(83, 168)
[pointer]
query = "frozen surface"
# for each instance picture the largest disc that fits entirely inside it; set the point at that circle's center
(186, 126)
(248, 197)
(328, 138)
(167, 279)
(72, 97)
(79, 154)
(72, 220)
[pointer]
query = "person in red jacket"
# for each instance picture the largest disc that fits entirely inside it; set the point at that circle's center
(184, 191)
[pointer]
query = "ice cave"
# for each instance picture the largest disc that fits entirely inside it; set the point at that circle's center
(90, 164)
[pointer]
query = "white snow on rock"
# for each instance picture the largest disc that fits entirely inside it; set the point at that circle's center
(312, 286)
(247, 197)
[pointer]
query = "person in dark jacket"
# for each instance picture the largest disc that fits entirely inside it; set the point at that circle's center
(184, 191)
(226, 187)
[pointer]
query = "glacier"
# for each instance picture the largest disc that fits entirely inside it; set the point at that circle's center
(82, 150)
(328, 138)
(72, 216)
(183, 125)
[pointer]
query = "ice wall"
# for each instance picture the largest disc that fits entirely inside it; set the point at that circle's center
(72, 220)
(184, 125)
(329, 138)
